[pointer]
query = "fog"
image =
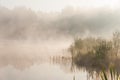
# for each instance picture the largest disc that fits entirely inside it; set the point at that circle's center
(27, 36)
(21, 23)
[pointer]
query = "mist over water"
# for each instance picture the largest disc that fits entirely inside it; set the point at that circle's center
(28, 38)
(23, 54)
(21, 23)
(26, 34)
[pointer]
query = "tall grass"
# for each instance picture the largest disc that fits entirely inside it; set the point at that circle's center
(112, 74)
(94, 54)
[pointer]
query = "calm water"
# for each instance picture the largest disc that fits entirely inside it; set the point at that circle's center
(44, 71)
(30, 61)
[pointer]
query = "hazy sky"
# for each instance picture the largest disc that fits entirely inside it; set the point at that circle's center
(57, 5)
(101, 17)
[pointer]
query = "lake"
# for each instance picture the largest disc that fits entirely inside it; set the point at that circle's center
(32, 61)
(44, 71)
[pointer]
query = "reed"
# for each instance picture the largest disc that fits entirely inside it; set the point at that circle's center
(112, 74)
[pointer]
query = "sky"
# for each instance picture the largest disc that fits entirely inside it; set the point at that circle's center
(58, 5)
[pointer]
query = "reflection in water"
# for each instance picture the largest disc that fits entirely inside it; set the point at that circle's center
(25, 62)
(24, 54)
(39, 72)
(67, 65)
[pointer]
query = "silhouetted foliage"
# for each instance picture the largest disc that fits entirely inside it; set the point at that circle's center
(95, 53)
